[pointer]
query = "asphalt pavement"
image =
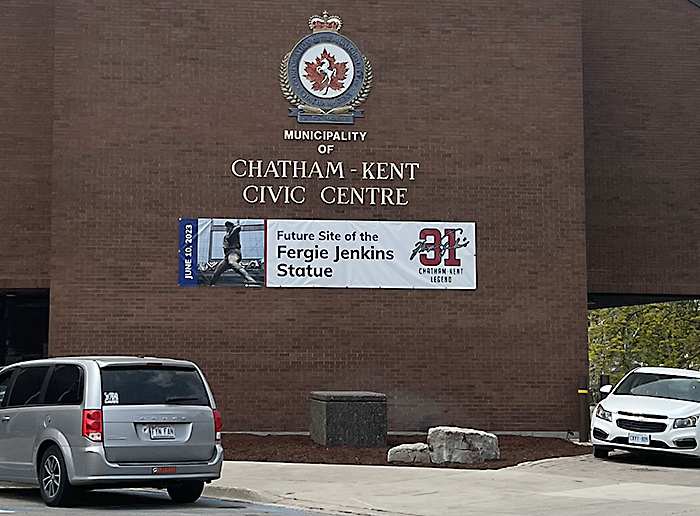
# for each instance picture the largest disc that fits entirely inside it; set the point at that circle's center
(136, 502)
(625, 484)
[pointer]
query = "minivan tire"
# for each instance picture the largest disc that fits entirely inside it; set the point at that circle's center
(54, 485)
(186, 492)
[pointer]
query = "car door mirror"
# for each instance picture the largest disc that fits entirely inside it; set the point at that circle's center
(605, 390)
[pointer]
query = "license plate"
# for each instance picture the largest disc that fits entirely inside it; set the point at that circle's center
(162, 432)
(643, 439)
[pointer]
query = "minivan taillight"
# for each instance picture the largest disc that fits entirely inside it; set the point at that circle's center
(92, 425)
(217, 424)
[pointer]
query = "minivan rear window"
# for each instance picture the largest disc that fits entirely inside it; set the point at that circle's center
(152, 385)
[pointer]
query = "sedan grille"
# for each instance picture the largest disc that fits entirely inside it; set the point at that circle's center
(648, 416)
(688, 443)
(600, 434)
(641, 426)
(652, 444)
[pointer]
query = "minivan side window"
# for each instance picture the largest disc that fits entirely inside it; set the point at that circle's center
(26, 389)
(65, 386)
(5, 379)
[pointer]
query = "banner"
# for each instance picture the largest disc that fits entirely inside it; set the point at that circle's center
(370, 254)
(327, 253)
(221, 252)
(188, 247)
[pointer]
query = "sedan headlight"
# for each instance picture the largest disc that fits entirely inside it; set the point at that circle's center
(686, 422)
(601, 413)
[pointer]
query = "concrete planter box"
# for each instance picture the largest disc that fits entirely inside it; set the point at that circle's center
(348, 418)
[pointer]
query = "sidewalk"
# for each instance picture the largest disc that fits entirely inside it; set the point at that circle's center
(571, 486)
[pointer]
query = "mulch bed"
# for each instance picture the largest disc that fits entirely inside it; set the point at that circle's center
(515, 449)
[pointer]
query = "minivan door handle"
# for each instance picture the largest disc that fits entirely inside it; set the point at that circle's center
(5, 419)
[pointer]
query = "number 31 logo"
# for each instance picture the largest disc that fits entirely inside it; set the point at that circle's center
(433, 245)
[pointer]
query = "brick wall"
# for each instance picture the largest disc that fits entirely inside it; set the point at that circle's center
(641, 82)
(154, 100)
(26, 90)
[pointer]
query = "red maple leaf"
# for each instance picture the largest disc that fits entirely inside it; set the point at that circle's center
(324, 72)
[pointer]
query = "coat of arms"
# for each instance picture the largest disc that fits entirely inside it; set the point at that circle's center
(325, 76)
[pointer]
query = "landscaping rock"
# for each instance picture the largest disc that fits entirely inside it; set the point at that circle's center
(417, 452)
(463, 445)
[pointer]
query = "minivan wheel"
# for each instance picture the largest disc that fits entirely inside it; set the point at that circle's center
(186, 492)
(600, 453)
(54, 486)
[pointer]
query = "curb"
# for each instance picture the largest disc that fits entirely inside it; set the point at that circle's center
(239, 494)
(243, 495)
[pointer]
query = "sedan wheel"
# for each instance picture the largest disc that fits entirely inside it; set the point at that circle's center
(600, 453)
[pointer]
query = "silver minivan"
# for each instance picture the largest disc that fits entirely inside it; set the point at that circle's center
(76, 423)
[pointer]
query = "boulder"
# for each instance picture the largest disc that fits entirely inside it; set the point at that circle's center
(464, 445)
(417, 452)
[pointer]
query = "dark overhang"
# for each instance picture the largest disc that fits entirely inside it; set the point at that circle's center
(596, 301)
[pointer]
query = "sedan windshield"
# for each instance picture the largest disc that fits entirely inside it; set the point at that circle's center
(660, 386)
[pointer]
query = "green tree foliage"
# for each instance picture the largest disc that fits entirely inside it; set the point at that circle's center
(661, 334)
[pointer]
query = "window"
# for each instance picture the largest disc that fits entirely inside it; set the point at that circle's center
(27, 387)
(145, 385)
(661, 386)
(4, 385)
(65, 386)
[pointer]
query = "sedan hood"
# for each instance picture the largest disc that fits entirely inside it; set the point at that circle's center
(649, 405)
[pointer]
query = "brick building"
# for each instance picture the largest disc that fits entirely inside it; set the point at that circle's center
(566, 131)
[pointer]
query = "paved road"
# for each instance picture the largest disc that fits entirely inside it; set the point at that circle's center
(624, 485)
(20, 500)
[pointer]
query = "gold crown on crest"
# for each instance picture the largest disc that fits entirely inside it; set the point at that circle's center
(325, 22)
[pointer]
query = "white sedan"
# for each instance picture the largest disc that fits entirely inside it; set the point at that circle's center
(651, 409)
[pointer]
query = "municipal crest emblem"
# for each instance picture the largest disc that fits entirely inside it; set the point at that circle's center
(325, 76)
